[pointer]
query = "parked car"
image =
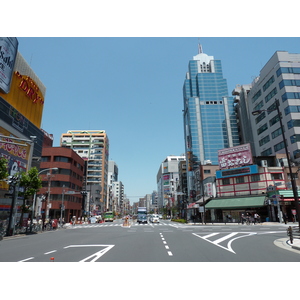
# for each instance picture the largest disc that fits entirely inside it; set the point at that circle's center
(154, 219)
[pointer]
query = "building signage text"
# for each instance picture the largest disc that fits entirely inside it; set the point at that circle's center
(30, 88)
(235, 157)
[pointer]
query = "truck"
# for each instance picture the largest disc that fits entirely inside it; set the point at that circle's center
(142, 215)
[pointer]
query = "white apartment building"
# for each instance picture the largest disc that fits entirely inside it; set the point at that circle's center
(279, 80)
(167, 180)
(112, 176)
(117, 196)
(92, 146)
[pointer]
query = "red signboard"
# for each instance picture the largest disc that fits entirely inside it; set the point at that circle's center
(235, 157)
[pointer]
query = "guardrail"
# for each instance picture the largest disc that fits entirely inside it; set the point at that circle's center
(293, 232)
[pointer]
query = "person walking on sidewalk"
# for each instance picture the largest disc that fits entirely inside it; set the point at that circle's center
(285, 218)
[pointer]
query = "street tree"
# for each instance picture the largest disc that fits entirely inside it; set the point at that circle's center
(3, 168)
(30, 184)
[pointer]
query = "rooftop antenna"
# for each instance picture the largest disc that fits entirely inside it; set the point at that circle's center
(200, 50)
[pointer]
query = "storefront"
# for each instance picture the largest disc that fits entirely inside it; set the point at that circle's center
(219, 208)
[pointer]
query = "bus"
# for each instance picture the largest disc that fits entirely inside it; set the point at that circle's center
(108, 216)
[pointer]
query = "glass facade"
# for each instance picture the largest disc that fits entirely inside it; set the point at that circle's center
(209, 117)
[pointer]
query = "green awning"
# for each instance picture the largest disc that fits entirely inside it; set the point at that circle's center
(236, 203)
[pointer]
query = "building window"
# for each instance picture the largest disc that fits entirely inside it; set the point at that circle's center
(260, 117)
(279, 146)
(276, 176)
(262, 128)
(276, 133)
(287, 70)
(290, 95)
(264, 140)
(240, 179)
(225, 181)
(256, 96)
(274, 120)
(45, 158)
(268, 83)
(62, 159)
(266, 152)
(271, 95)
(255, 177)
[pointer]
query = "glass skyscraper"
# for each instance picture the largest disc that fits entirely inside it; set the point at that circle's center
(209, 117)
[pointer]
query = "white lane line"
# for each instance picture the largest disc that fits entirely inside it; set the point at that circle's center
(26, 259)
(167, 247)
(170, 253)
(50, 252)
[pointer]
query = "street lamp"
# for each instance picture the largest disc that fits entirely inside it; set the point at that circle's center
(294, 187)
(34, 197)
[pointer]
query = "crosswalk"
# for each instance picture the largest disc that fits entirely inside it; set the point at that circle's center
(115, 225)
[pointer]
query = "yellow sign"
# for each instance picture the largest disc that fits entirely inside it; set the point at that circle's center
(26, 97)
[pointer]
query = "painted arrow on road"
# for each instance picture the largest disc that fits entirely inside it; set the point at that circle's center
(95, 256)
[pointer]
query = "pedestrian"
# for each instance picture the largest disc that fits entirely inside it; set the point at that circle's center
(248, 218)
(255, 218)
(229, 218)
(73, 220)
(243, 219)
(285, 218)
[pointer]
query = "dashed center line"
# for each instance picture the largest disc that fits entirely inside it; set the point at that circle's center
(166, 246)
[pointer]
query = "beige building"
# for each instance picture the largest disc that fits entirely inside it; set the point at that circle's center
(93, 147)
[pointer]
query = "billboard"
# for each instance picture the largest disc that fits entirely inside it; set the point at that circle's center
(17, 155)
(8, 53)
(235, 157)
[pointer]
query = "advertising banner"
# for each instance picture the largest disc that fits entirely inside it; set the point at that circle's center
(8, 53)
(16, 155)
(235, 157)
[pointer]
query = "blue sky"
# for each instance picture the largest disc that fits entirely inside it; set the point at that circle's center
(132, 89)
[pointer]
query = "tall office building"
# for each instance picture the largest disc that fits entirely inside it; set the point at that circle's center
(209, 117)
(93, 147)
(279, 80)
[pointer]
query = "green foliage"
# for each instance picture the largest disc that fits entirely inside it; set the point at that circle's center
(31, 183)
(3, 168)
(179, 220)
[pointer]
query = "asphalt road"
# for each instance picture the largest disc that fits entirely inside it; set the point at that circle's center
(163, 242)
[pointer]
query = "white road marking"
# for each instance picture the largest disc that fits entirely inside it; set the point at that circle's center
(26, 259)
(216, 242)
(96, 255)
(170, 253)
(50, 252)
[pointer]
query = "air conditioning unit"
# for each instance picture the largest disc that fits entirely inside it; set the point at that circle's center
(264, 163)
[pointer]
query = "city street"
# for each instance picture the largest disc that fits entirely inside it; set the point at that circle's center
(163, 242)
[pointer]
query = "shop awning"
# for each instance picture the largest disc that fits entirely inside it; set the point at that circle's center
(191, 205)
(236, 203)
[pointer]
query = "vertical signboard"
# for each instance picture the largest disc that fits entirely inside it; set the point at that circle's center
(8, 53)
